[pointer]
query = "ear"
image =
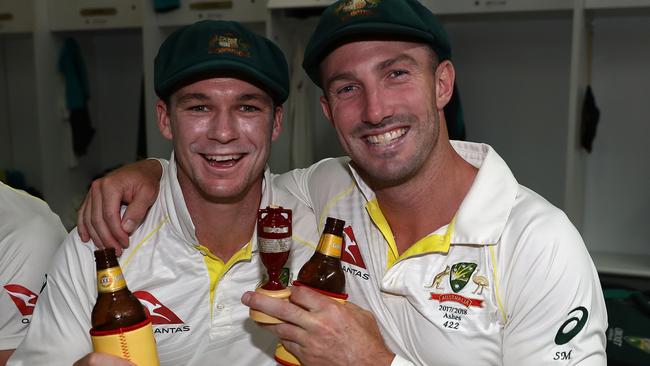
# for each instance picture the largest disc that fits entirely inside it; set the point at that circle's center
(444, 78)
(325, 105)
(277, 122)
(163, 120)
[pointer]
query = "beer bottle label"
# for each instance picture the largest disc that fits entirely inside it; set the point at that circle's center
(330, 245)
(110, 280)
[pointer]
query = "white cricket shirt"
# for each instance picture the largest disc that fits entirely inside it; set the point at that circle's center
(193, 297)
(507, 282)
(29, 235)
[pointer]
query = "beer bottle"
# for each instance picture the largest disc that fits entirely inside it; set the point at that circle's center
(323, 273)
(120, 325)
(323, 270)
(116, 306)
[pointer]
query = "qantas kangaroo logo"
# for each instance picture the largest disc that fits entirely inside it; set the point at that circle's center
(351, 253)
(159, 313)
(24, 299)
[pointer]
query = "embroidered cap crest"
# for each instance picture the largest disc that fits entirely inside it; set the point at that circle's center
(350, 8)
(228, 43)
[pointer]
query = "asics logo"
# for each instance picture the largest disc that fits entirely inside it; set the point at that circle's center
(570, 328)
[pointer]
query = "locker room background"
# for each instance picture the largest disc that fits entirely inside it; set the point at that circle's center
(522, 66)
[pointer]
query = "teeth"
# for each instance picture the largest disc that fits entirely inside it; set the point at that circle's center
(223, 157)
(386, 138)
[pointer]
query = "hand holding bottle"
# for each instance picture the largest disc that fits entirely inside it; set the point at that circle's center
(321, 328)
(321, 331)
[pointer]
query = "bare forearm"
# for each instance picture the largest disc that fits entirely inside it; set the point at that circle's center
(4, 356)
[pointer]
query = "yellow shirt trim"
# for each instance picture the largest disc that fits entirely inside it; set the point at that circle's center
(429, 244)
(496, 285)
(380, 221)
(303, 242)
(162, 223)
(433, 243)
(323, 215)
(217, 268)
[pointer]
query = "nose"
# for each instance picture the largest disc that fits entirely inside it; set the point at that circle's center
(376, 108)
(223, 127)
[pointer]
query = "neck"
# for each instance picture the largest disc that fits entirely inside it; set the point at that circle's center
(224, 227)
(430, 199)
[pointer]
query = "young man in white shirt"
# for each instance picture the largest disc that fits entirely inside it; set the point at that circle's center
(221, 89)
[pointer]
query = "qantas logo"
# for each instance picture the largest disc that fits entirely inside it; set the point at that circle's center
(159, 313)
(24, 299)
(351, 253)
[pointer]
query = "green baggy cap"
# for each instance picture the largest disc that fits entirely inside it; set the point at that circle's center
(211, 48)
(349, 19)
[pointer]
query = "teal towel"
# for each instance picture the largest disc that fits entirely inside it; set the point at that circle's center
(72, 66)
(166, 5)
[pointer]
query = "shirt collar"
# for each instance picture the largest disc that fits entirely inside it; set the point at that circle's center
(483, 214)
(484, 211)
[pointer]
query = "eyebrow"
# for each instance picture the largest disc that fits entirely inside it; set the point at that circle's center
(340, 76)
(381, 66)
(254, 96)
(392, 61)
(189, 97)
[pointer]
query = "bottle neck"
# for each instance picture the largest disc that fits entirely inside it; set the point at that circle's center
(330, 245)
(105, 258)
(110, 280)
